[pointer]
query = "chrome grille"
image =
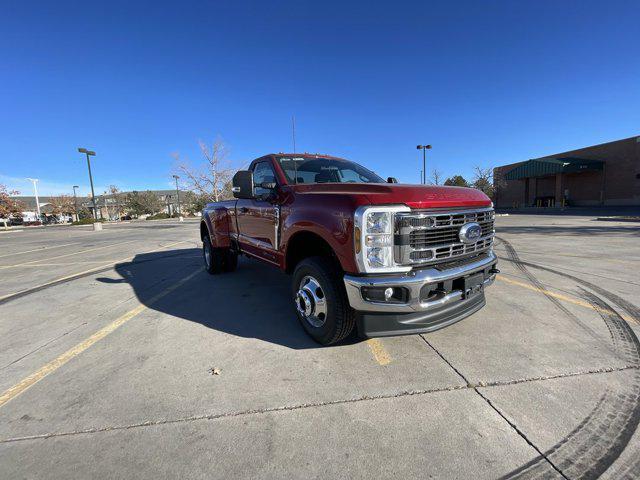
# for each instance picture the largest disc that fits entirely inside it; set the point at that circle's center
(425, 238)
(429, 237)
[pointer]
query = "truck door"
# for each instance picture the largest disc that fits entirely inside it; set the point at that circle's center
(258, 218)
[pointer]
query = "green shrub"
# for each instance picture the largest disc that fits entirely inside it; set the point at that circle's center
(87, 221)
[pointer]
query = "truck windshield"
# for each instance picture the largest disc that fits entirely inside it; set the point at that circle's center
(325, 170)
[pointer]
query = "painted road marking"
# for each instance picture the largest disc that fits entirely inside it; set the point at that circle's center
(94, 269)
(564, 298)
(39, 249)
(384, 358)
(379, 352)
(71, 254)
(54, 365)
(86, 262)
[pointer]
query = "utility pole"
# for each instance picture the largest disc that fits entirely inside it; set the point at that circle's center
(423, 175)
(35, 190)
(90, 153)
(75, 201)
(178, 194)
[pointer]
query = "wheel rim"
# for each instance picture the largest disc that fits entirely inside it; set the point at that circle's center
(311, 302)
(206, 250)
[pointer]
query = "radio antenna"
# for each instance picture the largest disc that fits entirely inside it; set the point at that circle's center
(293, 132)
(293, 135)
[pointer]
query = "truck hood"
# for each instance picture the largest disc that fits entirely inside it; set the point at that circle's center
(414, 196)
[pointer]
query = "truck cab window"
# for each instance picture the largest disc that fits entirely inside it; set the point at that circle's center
(325, 170)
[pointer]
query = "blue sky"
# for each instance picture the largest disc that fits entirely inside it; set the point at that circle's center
(486, 83)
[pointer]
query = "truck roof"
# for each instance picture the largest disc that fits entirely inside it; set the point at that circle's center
(304, 155)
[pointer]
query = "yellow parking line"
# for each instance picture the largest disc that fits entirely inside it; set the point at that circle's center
(564, 298)
(79, 274)
(71, 254)
(379, 352)
(52, 366)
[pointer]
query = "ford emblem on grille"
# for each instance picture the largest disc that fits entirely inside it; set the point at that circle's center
(470, 232)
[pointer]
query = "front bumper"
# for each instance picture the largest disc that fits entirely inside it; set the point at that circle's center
(435, 297)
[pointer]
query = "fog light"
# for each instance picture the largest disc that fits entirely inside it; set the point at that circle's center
(385, 294)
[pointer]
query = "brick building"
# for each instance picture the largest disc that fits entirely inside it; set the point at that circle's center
(606, 174)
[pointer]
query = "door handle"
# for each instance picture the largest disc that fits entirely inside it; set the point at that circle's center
(244, 209)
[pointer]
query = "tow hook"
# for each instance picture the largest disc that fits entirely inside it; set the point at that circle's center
(494, 271)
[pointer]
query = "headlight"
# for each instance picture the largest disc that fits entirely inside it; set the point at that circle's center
(373, 239)
(378, 222)
(378, 240)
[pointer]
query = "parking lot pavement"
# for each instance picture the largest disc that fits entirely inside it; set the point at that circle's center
(108, 341)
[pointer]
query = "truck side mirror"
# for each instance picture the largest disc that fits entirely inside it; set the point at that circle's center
(392, 180)
(243, 184)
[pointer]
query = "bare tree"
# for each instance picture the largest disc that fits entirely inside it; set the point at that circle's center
(62, 205)
(114, 202)
(499, 183)
(211, 179)
(436, 177)
(483, 180)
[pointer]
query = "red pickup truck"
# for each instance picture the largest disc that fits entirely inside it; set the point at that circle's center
(365, 253)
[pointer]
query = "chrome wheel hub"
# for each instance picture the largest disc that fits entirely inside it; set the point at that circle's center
(207, 254)
(311, 302)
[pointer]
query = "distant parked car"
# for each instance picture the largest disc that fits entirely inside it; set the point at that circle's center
(125, 217)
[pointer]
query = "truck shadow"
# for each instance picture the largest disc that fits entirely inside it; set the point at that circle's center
(252, 302)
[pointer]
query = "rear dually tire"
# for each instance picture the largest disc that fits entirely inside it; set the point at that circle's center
(218, 260)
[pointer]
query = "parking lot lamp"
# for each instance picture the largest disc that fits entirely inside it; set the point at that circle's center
(35, 190)
(90, 153)
(178, 194)
(424, 148)
(75, 201)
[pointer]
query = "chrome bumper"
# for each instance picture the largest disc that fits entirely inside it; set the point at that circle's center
(413, 281)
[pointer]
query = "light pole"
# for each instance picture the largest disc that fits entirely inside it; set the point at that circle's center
(75, 201)
(90, 153)
(35, 190)
(424, 148)
(178, 194)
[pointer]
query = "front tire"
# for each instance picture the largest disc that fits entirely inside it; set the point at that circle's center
(321, 301)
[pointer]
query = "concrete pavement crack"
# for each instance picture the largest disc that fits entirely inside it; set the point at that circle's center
(302, 406)
(44, 345)
(513, 426)
(458, 372)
